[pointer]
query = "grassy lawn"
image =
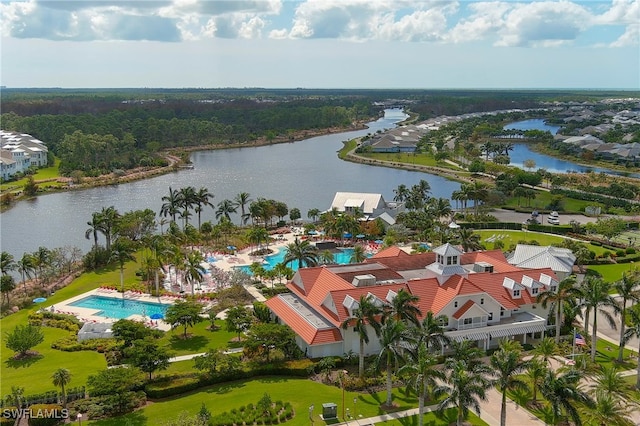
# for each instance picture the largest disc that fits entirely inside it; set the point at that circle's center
(200, 341)
(301, 393)
(410, 158)
(41, 174)
(614, 271)
(543, 199)
(34, 374)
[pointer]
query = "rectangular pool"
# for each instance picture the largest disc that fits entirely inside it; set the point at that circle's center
(111, 307)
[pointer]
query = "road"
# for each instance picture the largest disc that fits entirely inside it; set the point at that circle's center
(510, 216)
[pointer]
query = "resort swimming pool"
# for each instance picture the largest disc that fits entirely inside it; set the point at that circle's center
(342, 257)
(111, 307)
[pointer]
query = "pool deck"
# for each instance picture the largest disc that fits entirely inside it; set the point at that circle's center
(89, 315)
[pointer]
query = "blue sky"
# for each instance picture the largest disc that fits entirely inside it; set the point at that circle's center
(321, 43)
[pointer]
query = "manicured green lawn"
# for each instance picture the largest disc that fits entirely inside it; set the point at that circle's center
(613, 272)
(543, 199)
(41, 174)
(200, 341)
(34, 374)
(301, 393)
(409, 158)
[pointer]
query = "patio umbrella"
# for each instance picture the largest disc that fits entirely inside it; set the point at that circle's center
(39, 300)
(347, 235)
(378, 241)
(156, 316)
(360, 236)
(454, 225)
(231, 248)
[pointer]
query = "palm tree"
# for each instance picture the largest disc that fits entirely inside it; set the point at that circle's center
(25, 266)
(401, 193)
(122, 252)
(422, 376)
(171, 204)
(188, 198)
(611, 381)
(394, 338)
(547, 349)
(94, 228)
(487, 148)
(225, 208)
(608, 409)
(459, 196)
(563, 394)
(7, 263)
(359, 255)
(303, 252)
(596, 297)
(41, 260)
(477, 191)
(633, 330)
(403, 308)
(628, 289)
(536, 372)
(109, 217)
(507, 364)
(565, 293)
(61, 377)
(469, 240)
(362, 317)
(325, 257)
(193, 271)
(431, 333)
(465, 385)
(313, 214)
(242, 200)
(439, 208)
(201, 200)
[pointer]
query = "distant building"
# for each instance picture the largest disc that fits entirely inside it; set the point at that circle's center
(560, 260)
(372, 206)
(19, 151)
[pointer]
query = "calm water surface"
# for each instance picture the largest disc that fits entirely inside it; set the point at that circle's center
(304, 174)
(522, 152)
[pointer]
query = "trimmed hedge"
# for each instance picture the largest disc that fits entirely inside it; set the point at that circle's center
(71, 344)
(51, 319)
(166, 386)
(491, 225)
(46, 415)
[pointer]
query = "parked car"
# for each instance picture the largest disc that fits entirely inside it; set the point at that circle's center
(554, 218)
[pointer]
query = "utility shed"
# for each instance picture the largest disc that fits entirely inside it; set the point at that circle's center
(94, 331)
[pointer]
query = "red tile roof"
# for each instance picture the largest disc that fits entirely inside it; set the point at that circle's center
(300, 326)
(464, 308)
(380, 291)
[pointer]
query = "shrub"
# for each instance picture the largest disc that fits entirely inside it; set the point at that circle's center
(172, 386)
(630, 250)
(596, 243)
(71, 344)
(9, 415)
(46, 415)
(52, 319)
(620, 253)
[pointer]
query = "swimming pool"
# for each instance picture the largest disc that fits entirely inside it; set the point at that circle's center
(342, 257)
(111, 307)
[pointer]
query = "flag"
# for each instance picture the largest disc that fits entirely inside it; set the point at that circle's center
(580, 340)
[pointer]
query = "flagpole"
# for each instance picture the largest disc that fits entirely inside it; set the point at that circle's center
(573, 346)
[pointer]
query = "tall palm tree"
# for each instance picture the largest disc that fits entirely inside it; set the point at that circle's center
(94, 228)
(403, 308)
(242, 200)
(41, 260)
(193, 271)
(187, 200)
(394, 338)
(507, 364)
(596, 297)
(25, 266)
(363, 317)
(109, 217)
(469, 240)
(303, 252)
(564, 395)
(478, 192)
(359, 255)
(202, 199)
(313, 214)
(171, 204)
(122, 252)
(628, 289)
(257, 235)
(61, 377)
(439, 208)
(610, 380)
(225, 208)
(565, 293)
(465, 386)
(633, 330)
(325, 257)
(422, 376)
(536, 372)
(401, 193)
(431, 333)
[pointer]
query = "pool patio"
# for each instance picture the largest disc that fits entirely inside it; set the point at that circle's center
(88, 315)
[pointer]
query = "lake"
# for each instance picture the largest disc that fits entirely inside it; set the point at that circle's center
(522, 152)
(304, 174)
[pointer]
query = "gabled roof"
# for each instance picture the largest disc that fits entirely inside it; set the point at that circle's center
(369, 201)
(447, 250)
(464, 308)
(532, 257)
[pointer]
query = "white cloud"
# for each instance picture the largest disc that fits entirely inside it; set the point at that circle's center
(486, 19)
(543, 23)
(631, 37)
